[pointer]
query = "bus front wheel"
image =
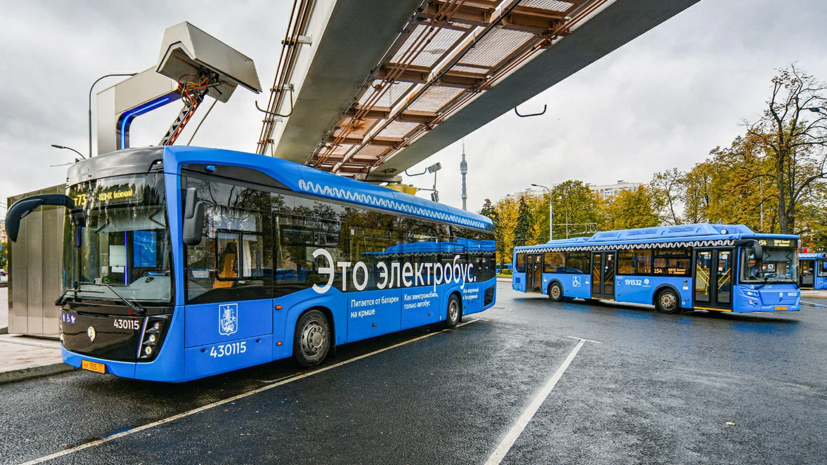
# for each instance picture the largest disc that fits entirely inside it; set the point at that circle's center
(555, 292)
(668, 301)
(454, 309)
(311, 343)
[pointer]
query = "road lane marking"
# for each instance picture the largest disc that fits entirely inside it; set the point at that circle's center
(147, 426)
(505, 445)
(813, 304)
(581, 339)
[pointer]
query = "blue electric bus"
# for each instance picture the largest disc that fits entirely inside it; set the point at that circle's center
(183, 262)
(813, 270)
(697, 266)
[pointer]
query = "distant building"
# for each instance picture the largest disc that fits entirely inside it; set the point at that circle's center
(608, 191)
(526, 193)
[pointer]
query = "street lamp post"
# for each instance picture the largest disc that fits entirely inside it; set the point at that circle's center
(90, 104)
(62, 147)
(550, 212)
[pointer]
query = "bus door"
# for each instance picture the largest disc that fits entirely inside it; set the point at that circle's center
(534, 273)
(713, 278)
(807, 273)
(603, 275)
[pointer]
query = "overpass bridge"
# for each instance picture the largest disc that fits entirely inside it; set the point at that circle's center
(369, 88)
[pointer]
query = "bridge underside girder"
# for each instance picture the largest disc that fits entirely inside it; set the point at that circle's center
(456, 66)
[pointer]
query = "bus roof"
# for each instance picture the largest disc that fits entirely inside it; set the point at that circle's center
(298, 178)
(695, 235)
(812, 255)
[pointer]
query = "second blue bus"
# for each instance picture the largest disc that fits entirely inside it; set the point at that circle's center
(813, 273)
(723, 268)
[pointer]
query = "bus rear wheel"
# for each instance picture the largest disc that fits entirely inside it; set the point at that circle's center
(312, 340)
(454, 310)
(668, 301)
(555, 292)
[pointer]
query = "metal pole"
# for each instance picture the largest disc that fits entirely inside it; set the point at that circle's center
(550, 212)
(463, 169)
(90, 104)
(550, 216)
(68, 148)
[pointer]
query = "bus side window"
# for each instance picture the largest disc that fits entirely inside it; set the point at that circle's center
(554, 262)
(233, 260)
(625, 262)
(521, 262)
(577, 262)
(673, 262)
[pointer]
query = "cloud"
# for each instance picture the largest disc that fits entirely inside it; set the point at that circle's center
(53, 52)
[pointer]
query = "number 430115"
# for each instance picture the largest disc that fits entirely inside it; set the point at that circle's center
(233, 348)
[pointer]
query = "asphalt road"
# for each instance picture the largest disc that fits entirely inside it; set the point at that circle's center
(695, 388)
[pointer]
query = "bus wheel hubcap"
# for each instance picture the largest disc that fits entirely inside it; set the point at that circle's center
(313, 338)
(555, 292)
(453, 311)
(667, 300)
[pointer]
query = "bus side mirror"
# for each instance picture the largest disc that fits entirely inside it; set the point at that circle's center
(23, 207)
(759, 254)
(193, 218)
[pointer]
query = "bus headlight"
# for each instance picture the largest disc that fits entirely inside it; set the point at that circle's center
(152, 337)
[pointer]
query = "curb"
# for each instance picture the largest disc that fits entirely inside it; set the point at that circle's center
(33, 371)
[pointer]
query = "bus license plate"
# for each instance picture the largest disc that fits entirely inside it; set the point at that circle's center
(93, 366)
(780, 308)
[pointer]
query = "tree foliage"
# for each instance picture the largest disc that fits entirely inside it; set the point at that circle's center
(506, 211)
(522, 232)
(631, 209)
(793, 135)
(771, 179)
(576, 210)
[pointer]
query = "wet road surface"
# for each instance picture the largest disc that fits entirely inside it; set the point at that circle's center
(697, 388)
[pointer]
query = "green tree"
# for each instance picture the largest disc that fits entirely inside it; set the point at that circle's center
(793, 134)
(4, 255)
(539, 213)
(666, 190)
(523, 229)
(507, 211)
(695, 193)
(489, 211)
(576, 210)
(631, 209)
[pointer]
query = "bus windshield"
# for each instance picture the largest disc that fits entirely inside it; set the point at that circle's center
(780, 265)
(123, 251)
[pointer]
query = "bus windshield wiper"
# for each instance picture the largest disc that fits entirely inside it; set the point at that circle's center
(766, 278)
(134, 306)
(62, 299)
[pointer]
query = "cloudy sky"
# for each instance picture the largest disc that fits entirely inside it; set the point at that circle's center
(664, 100)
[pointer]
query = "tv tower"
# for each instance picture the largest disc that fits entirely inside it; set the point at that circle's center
(463, 169)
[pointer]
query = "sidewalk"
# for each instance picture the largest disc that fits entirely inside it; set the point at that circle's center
(23, 357)
(819, 294)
